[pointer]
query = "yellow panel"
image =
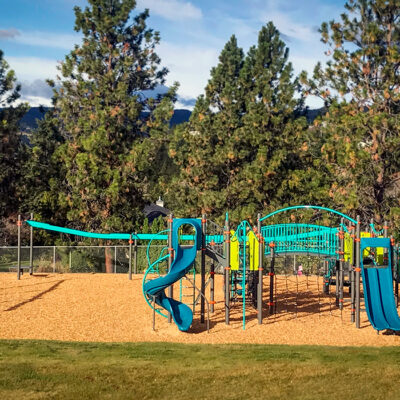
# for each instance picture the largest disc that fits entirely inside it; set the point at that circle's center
(234, 252)
(367, 249)
(253, 244)
(348, 248)
(379, 251)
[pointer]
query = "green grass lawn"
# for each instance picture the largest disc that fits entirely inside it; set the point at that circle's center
(57, 370)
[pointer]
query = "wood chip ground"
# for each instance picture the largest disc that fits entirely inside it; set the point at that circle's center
(111, 308)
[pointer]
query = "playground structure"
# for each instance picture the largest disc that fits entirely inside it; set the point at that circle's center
(248, 254)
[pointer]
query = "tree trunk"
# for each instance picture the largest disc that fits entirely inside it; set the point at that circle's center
(109, 260)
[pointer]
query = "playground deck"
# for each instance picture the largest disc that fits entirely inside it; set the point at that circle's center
(110, 308)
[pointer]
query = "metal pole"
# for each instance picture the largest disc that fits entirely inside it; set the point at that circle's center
(154, 313)
(227, 269)
(212, 287)
(341, 264)
(396, 267)
(260, 270)
(171, 255)
(244, 261)
(115, 259)
(358, 270)
(19, 223)
(352, 267)
(271, 279)
(135, 249)
(31, 249)
(203, 267)
(130, 258)
(54, 258)
(337, 277)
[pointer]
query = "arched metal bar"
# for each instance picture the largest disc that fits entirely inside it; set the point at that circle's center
(312, 207)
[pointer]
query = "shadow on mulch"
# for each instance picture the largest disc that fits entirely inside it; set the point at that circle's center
(36, 297)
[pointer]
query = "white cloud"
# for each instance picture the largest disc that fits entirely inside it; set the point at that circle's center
(34, 101)
(188, 65)
(173, 10)
(47, 39)
(290, 28)
(32, 68)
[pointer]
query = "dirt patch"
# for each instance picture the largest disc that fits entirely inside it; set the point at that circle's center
(110, 308)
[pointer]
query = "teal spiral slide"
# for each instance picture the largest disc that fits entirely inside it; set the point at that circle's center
(184, 258)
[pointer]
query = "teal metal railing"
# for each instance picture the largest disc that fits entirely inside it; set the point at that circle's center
(301, 238)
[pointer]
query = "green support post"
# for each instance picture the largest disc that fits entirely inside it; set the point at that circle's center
(352, 277)
(271, 279)
(171, 255)
(358, 270)
(203, 267)
(341, 264)
(244, 259)
(260, 271)
(227, 269)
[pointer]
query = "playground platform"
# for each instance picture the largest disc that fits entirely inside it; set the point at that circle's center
(110, 308)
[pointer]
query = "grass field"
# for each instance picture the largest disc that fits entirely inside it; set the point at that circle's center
(65, 370)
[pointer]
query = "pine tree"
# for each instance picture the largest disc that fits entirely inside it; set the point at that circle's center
(206, 149)
(44, 172)
(273, 127)
(361, 86)
(12, 149)
(109, 153)
(243, 144)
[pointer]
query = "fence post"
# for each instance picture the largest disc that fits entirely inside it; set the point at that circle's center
(115, 259)
(130, 257)
(19, 223)
(135, 255)
(31, 249)
(54, 258)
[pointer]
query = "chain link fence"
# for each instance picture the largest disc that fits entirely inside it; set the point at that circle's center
(79, 258)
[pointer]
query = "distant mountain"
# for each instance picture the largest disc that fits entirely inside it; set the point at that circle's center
(29, 120)
(314, 113)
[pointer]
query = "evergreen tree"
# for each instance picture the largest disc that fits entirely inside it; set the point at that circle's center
(361, 86)
(207, 148)
(44, 172)
(244, 140)
(12, 149)
(110, 150)
(273, 128)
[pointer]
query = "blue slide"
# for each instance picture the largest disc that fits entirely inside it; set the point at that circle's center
(378, 289)
(181, 264)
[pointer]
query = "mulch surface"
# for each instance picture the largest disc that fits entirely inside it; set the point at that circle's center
(110, 308)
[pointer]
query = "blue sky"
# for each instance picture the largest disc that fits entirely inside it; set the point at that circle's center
(35, 34)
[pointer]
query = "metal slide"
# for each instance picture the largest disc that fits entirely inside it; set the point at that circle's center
(378, 289)
(181, 264)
